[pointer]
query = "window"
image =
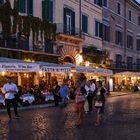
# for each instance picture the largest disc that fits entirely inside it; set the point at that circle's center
(138, 45)
(47, 10)
(129, 15)
(119, 37)
(139, 21)
(105, 3)
(84, 24)
(26, 6)
(98, 29)
(129, 63)
(129, 41)
(98, 2)
(69, 21)
(106, 33)
(138, 64)
(1, 2)
(118, 61)
(118, 8)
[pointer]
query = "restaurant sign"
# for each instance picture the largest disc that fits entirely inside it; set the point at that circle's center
(19, 67)
(55, 69)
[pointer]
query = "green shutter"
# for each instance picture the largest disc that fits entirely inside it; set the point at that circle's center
(96, 28)
(1, 2)
(44, 9)
(84, 23)
(22, 6)
(73, 22)
(30, 7)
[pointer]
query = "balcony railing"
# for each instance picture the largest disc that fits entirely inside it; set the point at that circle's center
(125, 66)
(22, 43)
(69, 30)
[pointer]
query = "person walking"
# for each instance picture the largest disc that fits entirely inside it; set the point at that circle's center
(56, 93)
(89, 90)
(9, 90)
(79, 103)
(100, 99)
(64, 92)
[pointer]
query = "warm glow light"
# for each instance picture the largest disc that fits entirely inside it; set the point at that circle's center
(28, 60)
(71, 74)
(87, 63)
(79, 59)
(3, 73)
(40, 72)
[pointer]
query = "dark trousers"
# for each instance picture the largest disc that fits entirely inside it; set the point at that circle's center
(90, 101)
(8, 102)
(56, 100)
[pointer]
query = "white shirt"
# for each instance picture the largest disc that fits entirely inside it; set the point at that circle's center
(92, 87)
(7, 87)
(87, 88)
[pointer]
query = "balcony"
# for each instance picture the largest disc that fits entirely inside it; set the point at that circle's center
(21, 43)
(68, 30)
(118, 66)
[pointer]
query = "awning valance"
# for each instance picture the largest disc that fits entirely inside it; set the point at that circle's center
(127, 74)
(15, 65)
(52, 67)
(104, 72)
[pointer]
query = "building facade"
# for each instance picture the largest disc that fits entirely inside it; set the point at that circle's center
(73, 31)
(121, 28)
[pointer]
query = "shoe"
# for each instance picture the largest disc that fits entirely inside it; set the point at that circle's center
(17, 116)
(97, 124)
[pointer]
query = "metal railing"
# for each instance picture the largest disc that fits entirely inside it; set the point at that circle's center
(68, 30)
(125, 66)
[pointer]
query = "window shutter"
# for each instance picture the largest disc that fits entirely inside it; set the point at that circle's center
(22, 6)
(73, 22)
(64, 20)
(100, 30)
(1, 2)
(30, 7)
(44, 9)
(96, 28)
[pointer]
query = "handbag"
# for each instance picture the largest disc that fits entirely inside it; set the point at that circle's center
(98, 104)
(79, 98)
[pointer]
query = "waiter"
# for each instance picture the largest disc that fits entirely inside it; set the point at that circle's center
(9, 90)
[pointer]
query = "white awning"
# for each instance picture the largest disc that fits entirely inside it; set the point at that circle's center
(104, 72)
(15, 65)
(52, 67)
(127, 74)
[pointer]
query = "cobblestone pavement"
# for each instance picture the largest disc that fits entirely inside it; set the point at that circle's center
(122, 123)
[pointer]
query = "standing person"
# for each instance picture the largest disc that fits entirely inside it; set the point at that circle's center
(10, 89)
(89, 95)
(100, 102)
(79, 103)
(56, 94)
(64, 92)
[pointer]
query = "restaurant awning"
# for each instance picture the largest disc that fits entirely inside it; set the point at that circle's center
(127, 74)
(80, 69)
(103, 72)
(15, 65)
(52, 67)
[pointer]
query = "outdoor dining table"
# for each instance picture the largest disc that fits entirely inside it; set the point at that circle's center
(28, 97)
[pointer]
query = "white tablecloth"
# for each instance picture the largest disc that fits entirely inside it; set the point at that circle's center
(28, 97)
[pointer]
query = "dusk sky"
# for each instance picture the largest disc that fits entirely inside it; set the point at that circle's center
(138, 1)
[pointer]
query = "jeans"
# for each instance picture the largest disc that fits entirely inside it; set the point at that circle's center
(8, 103)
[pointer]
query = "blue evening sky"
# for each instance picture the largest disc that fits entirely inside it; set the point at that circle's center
(138, 1)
